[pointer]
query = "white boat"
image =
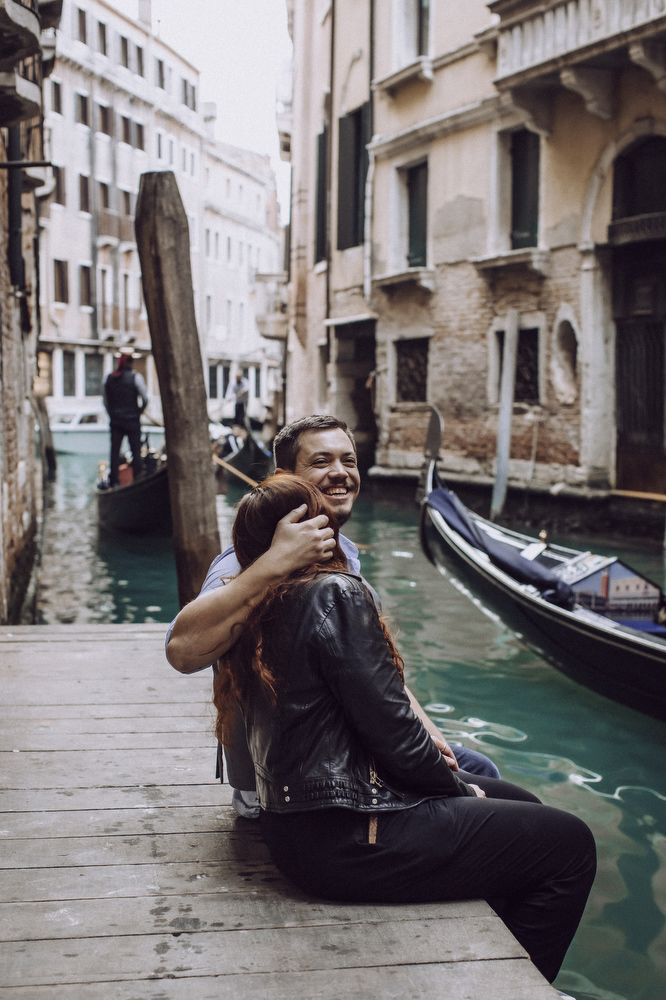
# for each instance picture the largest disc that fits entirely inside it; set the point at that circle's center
(87, 433)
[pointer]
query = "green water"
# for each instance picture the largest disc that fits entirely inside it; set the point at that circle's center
(576, 750)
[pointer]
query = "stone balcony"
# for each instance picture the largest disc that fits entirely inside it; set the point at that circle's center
(575, 44)
(20, 30)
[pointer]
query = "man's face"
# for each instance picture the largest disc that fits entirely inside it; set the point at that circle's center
(327, 460)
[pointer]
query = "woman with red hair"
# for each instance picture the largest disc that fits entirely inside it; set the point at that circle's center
(357, 803)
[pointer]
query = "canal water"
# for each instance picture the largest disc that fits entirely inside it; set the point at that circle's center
(576, 750)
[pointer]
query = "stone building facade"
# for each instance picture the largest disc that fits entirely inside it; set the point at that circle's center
(461, 170)
(121, 102)
(27, 46)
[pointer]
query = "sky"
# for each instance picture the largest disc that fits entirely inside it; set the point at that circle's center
(240, 48)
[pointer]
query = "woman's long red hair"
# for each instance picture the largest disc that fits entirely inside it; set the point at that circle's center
(256, 520)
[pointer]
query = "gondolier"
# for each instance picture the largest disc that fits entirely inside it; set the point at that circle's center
(125, 399)
(239, 391)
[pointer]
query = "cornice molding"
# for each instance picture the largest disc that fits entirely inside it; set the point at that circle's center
(478, 113)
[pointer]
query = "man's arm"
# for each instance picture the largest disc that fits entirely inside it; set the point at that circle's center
(208, 626)
(436, 734)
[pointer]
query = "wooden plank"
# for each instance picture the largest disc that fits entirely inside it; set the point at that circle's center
(208, 793)
(196, 709)
(16, 741)
(75, 769)
(504, 979)
(65, 728)
(212, 911)
(117, 822)
(270, 950)
(140, 849)
(114, 881)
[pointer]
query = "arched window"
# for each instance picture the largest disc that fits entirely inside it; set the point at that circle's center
(639, 179)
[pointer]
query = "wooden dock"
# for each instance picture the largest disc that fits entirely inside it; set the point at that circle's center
(125, 874)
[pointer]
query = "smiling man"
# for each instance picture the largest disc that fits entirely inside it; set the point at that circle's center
(321, 449)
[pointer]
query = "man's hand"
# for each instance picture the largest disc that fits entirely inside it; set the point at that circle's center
(298, 544)
(445, 749)
(479, 792)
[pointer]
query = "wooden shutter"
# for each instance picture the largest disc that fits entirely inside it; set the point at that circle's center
(321, 201)
(524, 189)
(347, 182)
(417, 193)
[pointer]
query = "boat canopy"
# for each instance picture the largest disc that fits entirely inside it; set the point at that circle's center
(503, 555)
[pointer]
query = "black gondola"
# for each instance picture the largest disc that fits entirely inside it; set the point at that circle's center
(139, 508)
(593, 617)
(251, 460)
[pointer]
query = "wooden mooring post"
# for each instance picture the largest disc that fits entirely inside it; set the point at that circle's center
(163, 242)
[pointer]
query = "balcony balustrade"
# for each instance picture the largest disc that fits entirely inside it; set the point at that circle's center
(127, 234)
(108, 225)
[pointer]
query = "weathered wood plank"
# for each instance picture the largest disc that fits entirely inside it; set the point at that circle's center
(64, 728)
(41, 633)
(88, 714)
(261, 951)
(233, 845)
(119, 822)
(91, 690)
(211, 911)
(75, 769)
(36, 742)
(207, 793)
(114, 881)
(504, 979)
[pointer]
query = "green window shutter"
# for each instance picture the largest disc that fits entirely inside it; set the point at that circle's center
(524, 189)
(321, 206)
(347, 182)
(417, 193)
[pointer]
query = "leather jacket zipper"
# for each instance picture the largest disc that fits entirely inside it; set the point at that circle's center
(375, 782)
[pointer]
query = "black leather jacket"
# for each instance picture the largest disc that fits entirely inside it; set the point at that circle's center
(342, 732)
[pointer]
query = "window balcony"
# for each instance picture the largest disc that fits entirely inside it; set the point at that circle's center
(423, 277)
(420, 69)
(20, 29)
(20, 92)
(576, 44)
(50, 12)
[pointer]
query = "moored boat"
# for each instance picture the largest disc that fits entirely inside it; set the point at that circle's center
(591, 616)
(138, 507)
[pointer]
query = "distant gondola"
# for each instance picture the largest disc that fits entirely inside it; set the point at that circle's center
(251, 460)
(591, 616)
(141, 507)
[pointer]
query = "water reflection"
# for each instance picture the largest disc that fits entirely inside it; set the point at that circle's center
(573, 748)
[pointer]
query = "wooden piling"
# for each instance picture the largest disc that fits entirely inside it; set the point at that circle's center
(163, 243)
(507, 390)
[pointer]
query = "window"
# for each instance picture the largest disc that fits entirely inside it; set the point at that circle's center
(56, 97)
(104, 195)
(229, 249)
(94, 367)
(124, 52)
(60, 281)
(188, 94)
(320, 197)
(527, 365)
(101, 38)
(192, 164)
(126, 198)
(172, 153)
(81, 109)
(212, 381)
(423, 27)
(524, 189)
(184, 160)
(126, 311)
(140, 135)
(105, 119)
(81, 26)
(68, 373)
(217, 246)
(159, 145)
(126, 130)
(85, 287)
(230, 316)
(412, 369)
(354, 134)
(417, 215)
(139, 61)
(209, 312)
(257, 383)
(639, 179)
(207, 242)
(59, 195)
(159, 73)
(84, 193)
(226, 371)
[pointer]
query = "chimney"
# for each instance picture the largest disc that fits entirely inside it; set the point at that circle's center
(145, 13)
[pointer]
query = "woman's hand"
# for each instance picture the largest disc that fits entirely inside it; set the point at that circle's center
(479, 792)
(298, 544)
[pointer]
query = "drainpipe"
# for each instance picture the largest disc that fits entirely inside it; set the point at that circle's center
(369, 180)
(329, 162)
(14, 209)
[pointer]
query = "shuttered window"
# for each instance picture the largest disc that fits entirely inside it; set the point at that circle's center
(412, 369)
(85, 287)
(524, 189)
(94, 365)
(68, 373)
(417, 197)
(321, 206)
(60, 281)
(212, 381)
(353, 136)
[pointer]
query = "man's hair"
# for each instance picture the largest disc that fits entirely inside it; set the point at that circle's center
(286, 445)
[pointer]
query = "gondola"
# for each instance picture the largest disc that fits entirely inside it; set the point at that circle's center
(138, 508)
(591, 616)
(250, 459)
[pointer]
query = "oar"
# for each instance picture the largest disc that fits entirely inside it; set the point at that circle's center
(230, 468)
